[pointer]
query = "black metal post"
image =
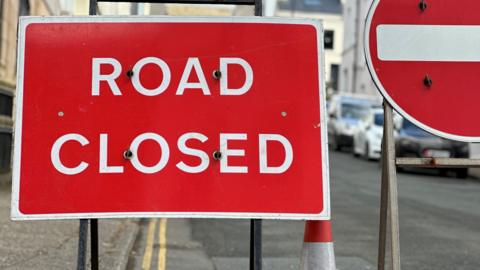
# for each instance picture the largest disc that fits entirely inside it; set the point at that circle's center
(92, 7)
(93, 222)
(82, 245)
(258, 8)
(256, 244)
(256, 224)
(94, 243)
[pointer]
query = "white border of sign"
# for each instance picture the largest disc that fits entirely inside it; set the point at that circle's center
(25, 21)
(385, 94)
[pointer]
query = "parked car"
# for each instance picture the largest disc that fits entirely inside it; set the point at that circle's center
(345, 114)
(415, 142)
(367, 140)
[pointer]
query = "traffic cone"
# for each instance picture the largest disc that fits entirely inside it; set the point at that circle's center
(317, 253)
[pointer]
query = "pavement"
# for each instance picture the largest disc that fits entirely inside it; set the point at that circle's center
(52, 245)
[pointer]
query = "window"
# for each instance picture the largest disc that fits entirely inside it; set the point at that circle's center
(5, 151)
(6, 104)
(354, 111)
(334, 70)
(312, 2)
(378, 119)
(328, 39)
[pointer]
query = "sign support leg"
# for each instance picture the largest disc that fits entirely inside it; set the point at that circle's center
(389, 195)
(82, 245)
(256, 224)
(382, 238)
(258, 8)
(83, 234)
(94, 243)
(92, 7)
(256, 244)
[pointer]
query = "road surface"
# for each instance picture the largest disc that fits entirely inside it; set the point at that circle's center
(439, 226)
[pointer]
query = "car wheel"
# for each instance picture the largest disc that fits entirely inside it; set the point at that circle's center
(366, 152)
(335, 145)
(331, 141)
(354, 149)
(462, 173)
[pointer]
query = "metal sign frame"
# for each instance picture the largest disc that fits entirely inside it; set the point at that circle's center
(222, 2)
(389, 195)
(255, 224)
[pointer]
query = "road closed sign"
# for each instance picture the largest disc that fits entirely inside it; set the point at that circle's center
(170, 117)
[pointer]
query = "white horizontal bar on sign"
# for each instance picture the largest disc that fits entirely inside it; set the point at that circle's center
(436, 43)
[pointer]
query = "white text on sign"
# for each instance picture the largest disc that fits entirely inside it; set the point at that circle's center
(103, 166)
(192, 63)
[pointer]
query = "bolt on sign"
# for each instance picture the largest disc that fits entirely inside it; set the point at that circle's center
(424, 58)
(170, 117)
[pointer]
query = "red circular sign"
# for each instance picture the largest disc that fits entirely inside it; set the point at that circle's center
(425, 60)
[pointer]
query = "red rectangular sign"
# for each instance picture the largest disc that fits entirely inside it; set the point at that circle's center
(170, 117)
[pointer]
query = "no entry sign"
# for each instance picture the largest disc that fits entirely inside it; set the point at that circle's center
(170, 117)
(424, 57)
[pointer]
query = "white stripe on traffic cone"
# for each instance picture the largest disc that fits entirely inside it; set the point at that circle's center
(317, 253)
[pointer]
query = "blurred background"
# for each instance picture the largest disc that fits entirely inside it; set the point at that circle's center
(344, 22)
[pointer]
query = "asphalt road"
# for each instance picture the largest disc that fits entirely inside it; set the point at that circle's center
(439, 226)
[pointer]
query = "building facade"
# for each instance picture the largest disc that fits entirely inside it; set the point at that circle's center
(354, 74)
(330, 12)
(82, 7)
(10, 10)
